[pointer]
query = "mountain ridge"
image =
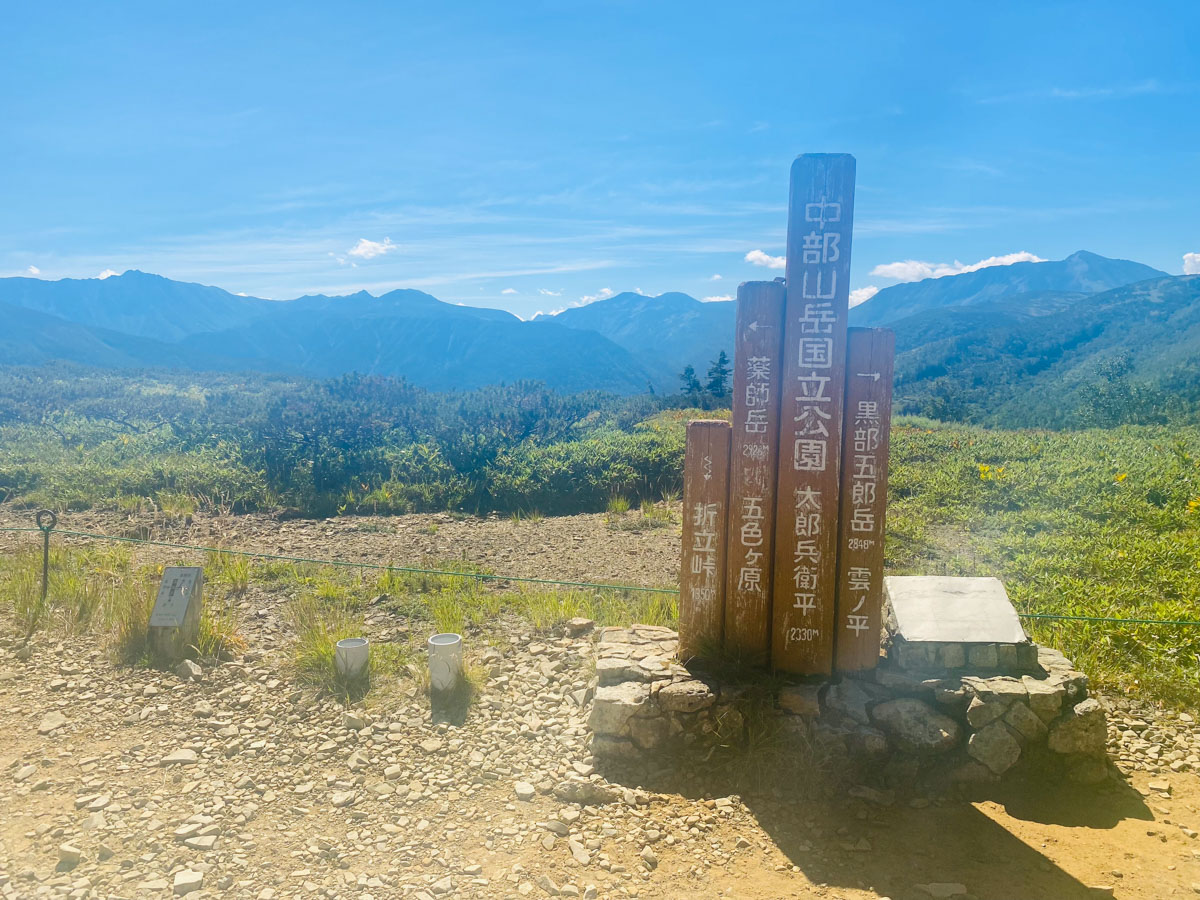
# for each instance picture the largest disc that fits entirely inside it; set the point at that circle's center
(1082, 271)
(628, 343)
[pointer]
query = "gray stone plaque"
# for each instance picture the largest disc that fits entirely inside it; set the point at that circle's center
(175, 619)
(941, 609)
(175, 593)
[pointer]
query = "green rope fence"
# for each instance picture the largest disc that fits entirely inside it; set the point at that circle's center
(483, 576)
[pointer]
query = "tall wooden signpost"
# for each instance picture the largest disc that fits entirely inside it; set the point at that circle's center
(752, 470)
(820, 225)
(870, 354)
(705, 517)
(783, 524)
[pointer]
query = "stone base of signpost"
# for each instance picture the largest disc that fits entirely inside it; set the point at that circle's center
(900, 723)
(170, 644)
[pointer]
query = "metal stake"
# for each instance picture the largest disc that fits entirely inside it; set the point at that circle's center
(46, 520)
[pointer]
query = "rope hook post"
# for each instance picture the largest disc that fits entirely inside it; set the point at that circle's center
(46, 520)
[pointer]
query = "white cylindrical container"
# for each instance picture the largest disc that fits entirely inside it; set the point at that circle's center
(350, 657)
(445, 662)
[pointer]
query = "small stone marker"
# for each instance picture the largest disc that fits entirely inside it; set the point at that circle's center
(175, 621)
(870, 354)
(753, 465)
(820, 226)
(705, 510)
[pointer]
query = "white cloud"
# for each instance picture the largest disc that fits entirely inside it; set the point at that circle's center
(509, 291)
(602, 294)
(758, 258)
(863, 294)
(717, 299)
(1191, 264)
(714, 278)
(918, 270)
(365, 249)
(546, 293)
(107, 273)
(34, 270)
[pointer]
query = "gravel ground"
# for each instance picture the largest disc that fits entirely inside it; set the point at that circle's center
(118, 782)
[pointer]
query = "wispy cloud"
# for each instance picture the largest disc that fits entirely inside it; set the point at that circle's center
(548, 293)
(34, 270)
(1104, 92)
(602, 294)
(715, 277)
(934, 223)
(108, 273)
(758, 258)
(1191, 264)
(365, 249)
(862, 294)
(918, 270)
(509, 291)
(1150, 86)
(723, 298)
(976, 167)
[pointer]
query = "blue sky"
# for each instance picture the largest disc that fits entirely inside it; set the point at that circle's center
(533, 155)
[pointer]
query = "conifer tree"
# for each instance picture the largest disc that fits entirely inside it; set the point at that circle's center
(691, 384)
(718, 376)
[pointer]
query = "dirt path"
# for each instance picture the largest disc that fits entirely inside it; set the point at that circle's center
(623, 549)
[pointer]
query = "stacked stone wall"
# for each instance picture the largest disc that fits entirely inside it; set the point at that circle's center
(1025, 715)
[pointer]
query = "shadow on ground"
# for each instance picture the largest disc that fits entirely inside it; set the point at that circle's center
(892, 848)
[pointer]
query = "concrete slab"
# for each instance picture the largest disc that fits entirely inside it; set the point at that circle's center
(942, 609)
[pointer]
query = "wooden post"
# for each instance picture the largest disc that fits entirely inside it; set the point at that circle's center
(820, 225)
(870, 358)
(753, 470)
(705, 510)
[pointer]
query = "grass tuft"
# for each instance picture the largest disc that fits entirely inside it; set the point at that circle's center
(318, 626)
(220, 628)
(618, 505)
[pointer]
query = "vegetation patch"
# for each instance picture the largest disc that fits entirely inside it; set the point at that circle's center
(1094, 524)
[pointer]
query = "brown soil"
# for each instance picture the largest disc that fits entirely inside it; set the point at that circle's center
(588, 548)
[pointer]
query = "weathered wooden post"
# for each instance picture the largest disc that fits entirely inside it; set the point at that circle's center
(175, 620)
(870, 359)
(705, 514)
(753, 469)
(820, 225)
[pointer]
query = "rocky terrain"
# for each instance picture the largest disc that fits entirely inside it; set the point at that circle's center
(230, 780)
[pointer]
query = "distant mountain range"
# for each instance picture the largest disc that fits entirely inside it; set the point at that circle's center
(664, 333)
(992, 342)
(1026, 358)
(1081, 272)
(137, 320)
